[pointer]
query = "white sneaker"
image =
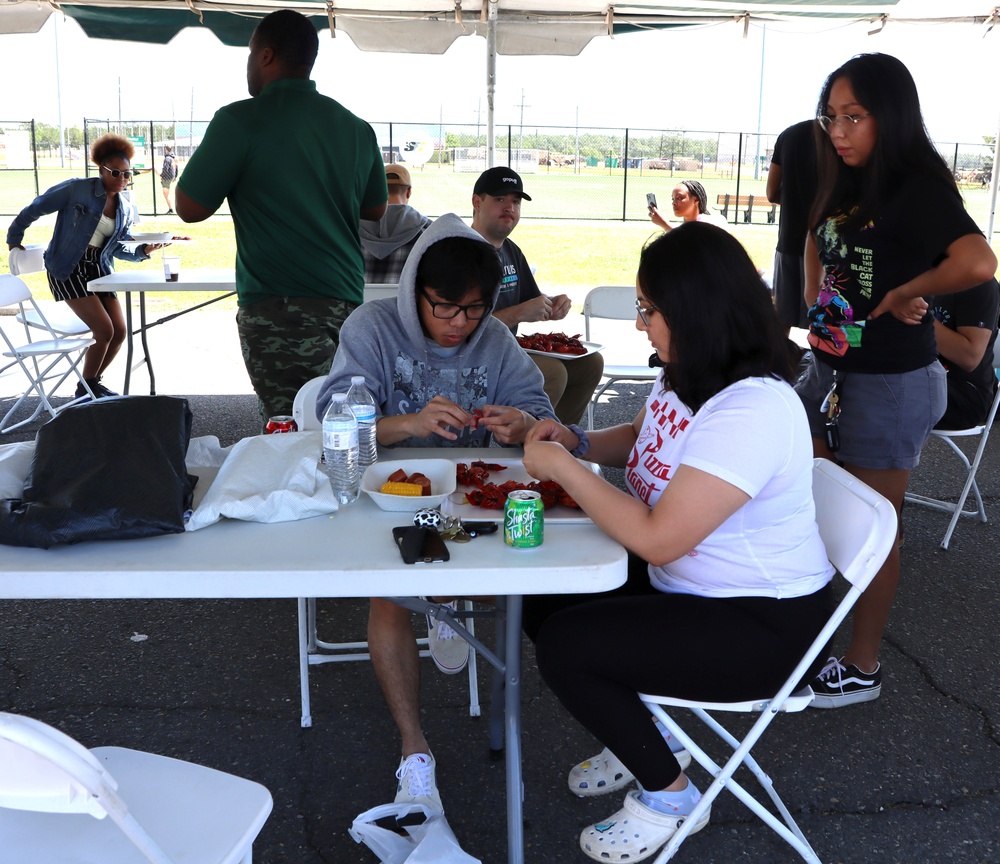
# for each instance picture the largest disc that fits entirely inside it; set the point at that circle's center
(416, 781)
(449, 651)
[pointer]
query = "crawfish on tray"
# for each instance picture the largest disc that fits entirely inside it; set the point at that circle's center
(492, 496)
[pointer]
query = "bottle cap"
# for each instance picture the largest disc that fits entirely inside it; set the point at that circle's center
(357, 379)
(338, 397)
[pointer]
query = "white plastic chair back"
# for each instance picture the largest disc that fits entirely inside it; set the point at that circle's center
(304, 405)
(615, 303)
(858, 527)
(13, 290)
(379, 291)
(55, 316)
(30, 259)
(42, 767)
(46, 364)
(200, 815)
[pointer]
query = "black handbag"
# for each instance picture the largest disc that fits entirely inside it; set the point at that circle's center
(111, 469)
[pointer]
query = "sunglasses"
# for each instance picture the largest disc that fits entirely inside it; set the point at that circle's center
(115, 173)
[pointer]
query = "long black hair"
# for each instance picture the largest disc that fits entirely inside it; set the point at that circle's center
(884, 86)
(722, 322)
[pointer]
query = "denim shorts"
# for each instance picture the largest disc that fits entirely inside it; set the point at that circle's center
(884, 419)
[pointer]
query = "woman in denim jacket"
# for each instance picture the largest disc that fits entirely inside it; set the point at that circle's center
(94, 216)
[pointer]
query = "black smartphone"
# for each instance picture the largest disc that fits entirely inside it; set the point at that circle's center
(474, 529)
(420, 545)
(650, 199)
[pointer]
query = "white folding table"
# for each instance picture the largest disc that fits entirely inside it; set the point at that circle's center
(292, 559)
(141, 281)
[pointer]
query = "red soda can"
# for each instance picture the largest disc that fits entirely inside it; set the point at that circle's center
(281, 423)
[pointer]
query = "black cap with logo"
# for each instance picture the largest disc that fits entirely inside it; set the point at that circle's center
(500, 181)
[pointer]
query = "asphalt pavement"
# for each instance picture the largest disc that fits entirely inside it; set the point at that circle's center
(912, 777)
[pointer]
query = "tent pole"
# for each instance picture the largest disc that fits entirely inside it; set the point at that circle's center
(993, 188)
(491, 79)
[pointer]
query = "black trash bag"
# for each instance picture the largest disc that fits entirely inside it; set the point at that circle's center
(112, 469)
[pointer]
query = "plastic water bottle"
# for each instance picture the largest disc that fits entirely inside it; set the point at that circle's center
(340, 449)
(362, 403)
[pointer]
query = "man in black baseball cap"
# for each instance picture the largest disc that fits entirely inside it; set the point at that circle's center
(500, 181)
(496, 205)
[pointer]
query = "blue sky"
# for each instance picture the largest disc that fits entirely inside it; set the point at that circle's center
(704, 79)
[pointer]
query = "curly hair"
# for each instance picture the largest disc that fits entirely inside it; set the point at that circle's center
(111, 145)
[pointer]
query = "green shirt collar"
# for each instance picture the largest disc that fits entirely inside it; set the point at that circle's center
(303, 84)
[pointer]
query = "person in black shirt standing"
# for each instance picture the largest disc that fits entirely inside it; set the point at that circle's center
(791, 182)
(965, 327)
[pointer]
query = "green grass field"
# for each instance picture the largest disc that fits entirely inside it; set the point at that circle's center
(587, 245)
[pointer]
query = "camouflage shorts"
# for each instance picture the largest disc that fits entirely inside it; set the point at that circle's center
(286, 341)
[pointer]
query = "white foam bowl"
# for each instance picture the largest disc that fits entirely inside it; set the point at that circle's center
(155, 237)
(441, 473)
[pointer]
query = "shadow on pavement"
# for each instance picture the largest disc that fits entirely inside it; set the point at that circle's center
(910, 778)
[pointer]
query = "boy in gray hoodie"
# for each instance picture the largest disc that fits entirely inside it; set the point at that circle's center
(428, 372)
(431, 356)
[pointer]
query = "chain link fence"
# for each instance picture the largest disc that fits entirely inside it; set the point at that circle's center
(571, 173)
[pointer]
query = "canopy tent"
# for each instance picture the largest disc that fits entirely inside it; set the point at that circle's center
(510, 27)
(430, 26)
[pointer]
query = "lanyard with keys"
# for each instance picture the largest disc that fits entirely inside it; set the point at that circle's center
(831, 408)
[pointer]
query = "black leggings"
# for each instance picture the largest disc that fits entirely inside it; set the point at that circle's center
(597, 654)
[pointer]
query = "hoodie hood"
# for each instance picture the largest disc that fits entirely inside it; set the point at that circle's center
(448, 225)
(399, 226)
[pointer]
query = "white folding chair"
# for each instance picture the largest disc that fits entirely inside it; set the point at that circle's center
(171, 812)
(57, 317)
(858, 527)
(312, 649)
(380, 290)
(46, 363)
(948, 436)
(614, 302)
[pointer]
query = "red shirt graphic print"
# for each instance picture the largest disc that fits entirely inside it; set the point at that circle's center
(656, 452)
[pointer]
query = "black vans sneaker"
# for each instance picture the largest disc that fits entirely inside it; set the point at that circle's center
(838, 685)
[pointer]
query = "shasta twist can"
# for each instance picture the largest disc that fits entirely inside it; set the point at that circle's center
(523, 519)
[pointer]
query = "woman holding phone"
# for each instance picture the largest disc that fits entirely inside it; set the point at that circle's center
(690, 204)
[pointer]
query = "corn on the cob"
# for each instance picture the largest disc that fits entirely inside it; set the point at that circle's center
(408, 489)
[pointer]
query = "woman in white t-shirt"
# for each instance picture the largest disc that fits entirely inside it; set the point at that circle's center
(728, 576)
(690, 203)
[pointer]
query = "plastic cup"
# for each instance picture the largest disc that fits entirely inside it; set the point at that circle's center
(171, 268)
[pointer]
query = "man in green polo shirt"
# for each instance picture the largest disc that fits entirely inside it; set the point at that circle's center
(300, 171)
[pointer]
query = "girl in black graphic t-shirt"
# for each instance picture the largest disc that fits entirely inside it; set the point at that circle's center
(888, 228)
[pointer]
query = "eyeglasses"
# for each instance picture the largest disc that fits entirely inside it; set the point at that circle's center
(114, 172)
(473, 311)
(643, 311)
(827, 122)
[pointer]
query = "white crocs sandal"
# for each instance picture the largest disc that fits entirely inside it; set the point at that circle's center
(633, 834)
(605, 773)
